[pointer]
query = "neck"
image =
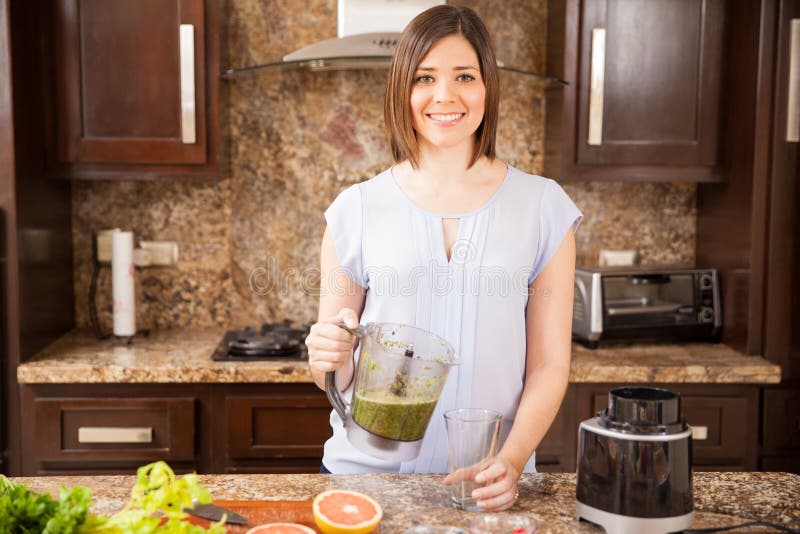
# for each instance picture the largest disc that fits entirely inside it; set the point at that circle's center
(446, 165)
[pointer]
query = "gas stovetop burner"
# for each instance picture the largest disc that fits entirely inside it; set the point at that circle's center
(273, 341)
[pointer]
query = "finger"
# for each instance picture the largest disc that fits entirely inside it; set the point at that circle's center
(326, 359)
(495, 504)
(315, 343)
(459, 475)
(503, 486)
(498, 496)
(332, 319)
(328, 356)
(349, 317)
(346, 316)
(331, 331)
(326, 365)
(494, 470)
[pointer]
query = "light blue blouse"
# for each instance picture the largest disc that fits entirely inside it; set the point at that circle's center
(476, 300)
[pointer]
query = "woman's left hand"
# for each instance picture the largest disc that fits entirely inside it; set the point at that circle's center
(498, 479)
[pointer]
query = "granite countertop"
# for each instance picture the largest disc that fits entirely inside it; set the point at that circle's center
(184, 356)
(721, 499)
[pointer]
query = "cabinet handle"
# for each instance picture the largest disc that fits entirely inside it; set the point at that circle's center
(187, 84)
(114, 434)
(699, 433)
(793, 104)
(597, 76)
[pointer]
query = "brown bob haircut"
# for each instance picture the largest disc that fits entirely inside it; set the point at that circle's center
(424, 31)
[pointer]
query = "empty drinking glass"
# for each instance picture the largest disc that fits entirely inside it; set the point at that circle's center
(472, 436)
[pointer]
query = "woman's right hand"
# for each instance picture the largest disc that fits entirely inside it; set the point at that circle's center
(329, 346)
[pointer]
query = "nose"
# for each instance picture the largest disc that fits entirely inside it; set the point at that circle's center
(444, 92)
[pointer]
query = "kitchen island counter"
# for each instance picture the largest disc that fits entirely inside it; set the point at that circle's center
(184, 356)
(721, 499)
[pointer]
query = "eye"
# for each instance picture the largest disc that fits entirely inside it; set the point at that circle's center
(466, 78)
(424, 78)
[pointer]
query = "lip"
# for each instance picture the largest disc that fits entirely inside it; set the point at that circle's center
(461, 116)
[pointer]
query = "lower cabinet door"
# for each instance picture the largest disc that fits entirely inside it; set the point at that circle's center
(112, 434)
(276, 429)
(787, 464)
(556, 452)
(781, 419)
(780, 428)
(719, 431)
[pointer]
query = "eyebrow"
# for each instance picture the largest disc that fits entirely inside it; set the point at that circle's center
(431, 69)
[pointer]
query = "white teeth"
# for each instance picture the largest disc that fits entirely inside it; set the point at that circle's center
(445, 117)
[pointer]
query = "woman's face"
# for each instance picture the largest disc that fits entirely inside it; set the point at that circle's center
(448, 96)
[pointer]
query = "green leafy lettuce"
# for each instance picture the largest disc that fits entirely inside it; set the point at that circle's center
(24, 511)
(156, 504)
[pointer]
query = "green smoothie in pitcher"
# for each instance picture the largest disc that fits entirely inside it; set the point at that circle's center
(392, 416)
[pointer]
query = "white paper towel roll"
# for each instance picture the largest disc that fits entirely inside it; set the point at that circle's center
(122, 283)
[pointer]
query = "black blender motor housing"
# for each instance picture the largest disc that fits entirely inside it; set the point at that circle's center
(633, 461)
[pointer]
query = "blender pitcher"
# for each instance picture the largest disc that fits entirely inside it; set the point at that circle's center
(401, 372)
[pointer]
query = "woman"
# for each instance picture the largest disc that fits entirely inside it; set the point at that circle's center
(456, 242)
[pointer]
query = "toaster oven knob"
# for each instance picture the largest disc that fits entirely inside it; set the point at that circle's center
(706, 315)
(706, 281)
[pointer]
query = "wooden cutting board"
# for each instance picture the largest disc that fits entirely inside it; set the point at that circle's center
(260, 512)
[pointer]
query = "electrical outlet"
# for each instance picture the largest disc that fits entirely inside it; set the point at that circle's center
(161, 253)
(616, 258)
(103, 243)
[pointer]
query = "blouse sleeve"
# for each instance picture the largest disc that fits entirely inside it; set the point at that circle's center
(557, 214)
(344, 218)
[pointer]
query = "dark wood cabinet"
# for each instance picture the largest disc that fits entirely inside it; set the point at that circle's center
(780, 431)
(270, 428)
(557, 450)
(724, 420)
(208, 428)
(781, 405)
(746, 227)
(723, 417)
(134, 87)
(94, 428)
(114, 429)
(281, 428)
(724, 430)
(36, 282)
(643, 100)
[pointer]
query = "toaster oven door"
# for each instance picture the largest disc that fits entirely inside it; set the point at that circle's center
(654, 305)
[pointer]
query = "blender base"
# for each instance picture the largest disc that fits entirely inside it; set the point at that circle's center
(622, 524)
(380, 447)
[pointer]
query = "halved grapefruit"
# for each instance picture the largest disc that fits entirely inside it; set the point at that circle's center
(281, 528)
(346, 512)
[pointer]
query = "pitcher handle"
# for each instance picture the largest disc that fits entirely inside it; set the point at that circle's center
(334, 397)
(333, 393)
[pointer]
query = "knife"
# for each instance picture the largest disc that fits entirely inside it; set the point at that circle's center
(212, 512)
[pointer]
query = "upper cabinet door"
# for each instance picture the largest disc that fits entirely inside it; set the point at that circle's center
(644, 93)
(658, 82)
(133, 84)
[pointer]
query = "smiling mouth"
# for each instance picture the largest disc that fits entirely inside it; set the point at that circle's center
(445, 118)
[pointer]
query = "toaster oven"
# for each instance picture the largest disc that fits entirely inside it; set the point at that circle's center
(627, 304)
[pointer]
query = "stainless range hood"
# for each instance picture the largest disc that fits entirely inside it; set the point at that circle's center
(359, 51)
(368, 31)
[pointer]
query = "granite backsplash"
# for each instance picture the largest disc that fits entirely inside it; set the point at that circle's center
(249, 243)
